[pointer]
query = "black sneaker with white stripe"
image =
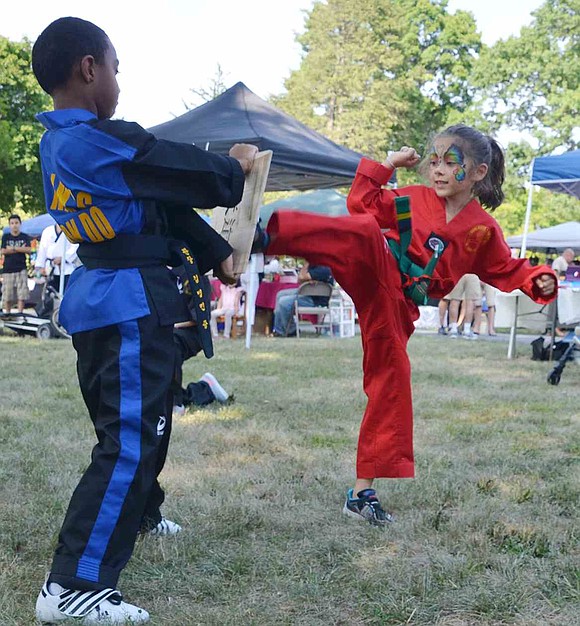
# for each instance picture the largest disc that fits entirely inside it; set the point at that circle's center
(106, 607)
(366, 506)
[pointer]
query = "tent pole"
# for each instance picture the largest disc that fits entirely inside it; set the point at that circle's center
(513, 331)
(62, 264)
(528, 213)
(251, 299)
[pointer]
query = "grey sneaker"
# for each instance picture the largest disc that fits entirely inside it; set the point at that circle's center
(366, 507)
(221, 395)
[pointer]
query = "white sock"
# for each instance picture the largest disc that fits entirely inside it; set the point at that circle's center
(55, 589)
(453, 327)
(467, 328)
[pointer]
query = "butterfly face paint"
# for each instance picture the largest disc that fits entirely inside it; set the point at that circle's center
(455, 156)
(452, 157)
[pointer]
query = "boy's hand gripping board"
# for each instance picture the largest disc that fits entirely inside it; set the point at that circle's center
(237, 225)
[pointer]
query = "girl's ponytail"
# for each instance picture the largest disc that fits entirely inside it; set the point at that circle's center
(483, 149)
(489, 189)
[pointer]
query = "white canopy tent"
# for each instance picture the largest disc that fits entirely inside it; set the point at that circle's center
(559, 173)
(566, 235)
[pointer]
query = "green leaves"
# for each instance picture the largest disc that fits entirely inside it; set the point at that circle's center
(382, 73)
(378, 74)
(532, 82)
(20, 99)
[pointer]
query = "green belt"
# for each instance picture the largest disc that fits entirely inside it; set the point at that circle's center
(416, 279)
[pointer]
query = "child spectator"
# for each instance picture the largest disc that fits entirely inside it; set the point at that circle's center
(228, 305)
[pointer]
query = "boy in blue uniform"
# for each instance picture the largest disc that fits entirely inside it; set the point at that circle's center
(126, 199)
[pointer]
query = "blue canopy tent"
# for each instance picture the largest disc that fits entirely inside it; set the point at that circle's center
(559, 173)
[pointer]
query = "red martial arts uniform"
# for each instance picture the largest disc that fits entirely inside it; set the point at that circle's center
(355, 249)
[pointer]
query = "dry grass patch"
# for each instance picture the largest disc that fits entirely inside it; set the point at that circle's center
(486, 534)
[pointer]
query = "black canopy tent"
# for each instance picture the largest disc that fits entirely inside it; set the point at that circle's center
(303, 159)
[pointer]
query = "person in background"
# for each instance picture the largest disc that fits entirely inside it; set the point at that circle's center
(468, 291)
(489, 293)
(443, 308)
(15, 247)
(284, 325)
(273, 266)
(228, 305)
(560, 264)
(49, 256)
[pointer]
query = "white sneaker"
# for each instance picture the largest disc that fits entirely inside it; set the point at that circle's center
(221, 395)
(453, 334)
(89, 607)
(178, 410)
(471, 336)
(165, 528)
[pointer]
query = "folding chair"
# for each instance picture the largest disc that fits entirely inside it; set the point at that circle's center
(320, 314)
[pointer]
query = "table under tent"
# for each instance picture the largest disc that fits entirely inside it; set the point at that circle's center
(302, 159)
(560, 174)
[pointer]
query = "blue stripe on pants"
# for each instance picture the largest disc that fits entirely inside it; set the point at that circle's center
(129, 453)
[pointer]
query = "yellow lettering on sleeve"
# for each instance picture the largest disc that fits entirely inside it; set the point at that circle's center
(71, 230)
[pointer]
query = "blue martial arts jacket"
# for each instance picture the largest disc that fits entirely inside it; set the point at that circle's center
(104, 178)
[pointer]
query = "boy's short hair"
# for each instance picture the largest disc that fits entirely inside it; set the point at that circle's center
(14, 216)
(60, 45)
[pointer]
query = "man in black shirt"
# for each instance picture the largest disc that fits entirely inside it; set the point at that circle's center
(15, 247)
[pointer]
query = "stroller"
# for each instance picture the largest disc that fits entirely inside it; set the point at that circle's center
(45, 323)
(573, 340)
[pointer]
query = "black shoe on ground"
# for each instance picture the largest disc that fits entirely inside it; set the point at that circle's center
(366, 507)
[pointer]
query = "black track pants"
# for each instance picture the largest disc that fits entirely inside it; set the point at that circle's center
(125, 372)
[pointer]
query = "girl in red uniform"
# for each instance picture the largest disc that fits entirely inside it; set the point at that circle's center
(466, 170)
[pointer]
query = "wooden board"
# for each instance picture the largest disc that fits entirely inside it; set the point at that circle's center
(237, 225)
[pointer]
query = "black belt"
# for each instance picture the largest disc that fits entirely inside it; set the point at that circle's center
(134, 251)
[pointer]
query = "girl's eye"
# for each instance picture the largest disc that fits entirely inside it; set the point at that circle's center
(432, 162)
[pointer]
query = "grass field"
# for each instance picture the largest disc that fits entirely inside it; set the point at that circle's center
(486, 534)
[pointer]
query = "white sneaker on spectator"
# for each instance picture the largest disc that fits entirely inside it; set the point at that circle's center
(453, 334)
(178, 410)
(56, 604)
(165, 528)
(221, 395)
(470, 335)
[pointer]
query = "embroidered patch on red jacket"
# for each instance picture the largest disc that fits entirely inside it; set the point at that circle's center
(476, 237)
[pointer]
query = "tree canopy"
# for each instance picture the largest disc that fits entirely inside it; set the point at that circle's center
(531, 82)
(378, 73)
(20, 99)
